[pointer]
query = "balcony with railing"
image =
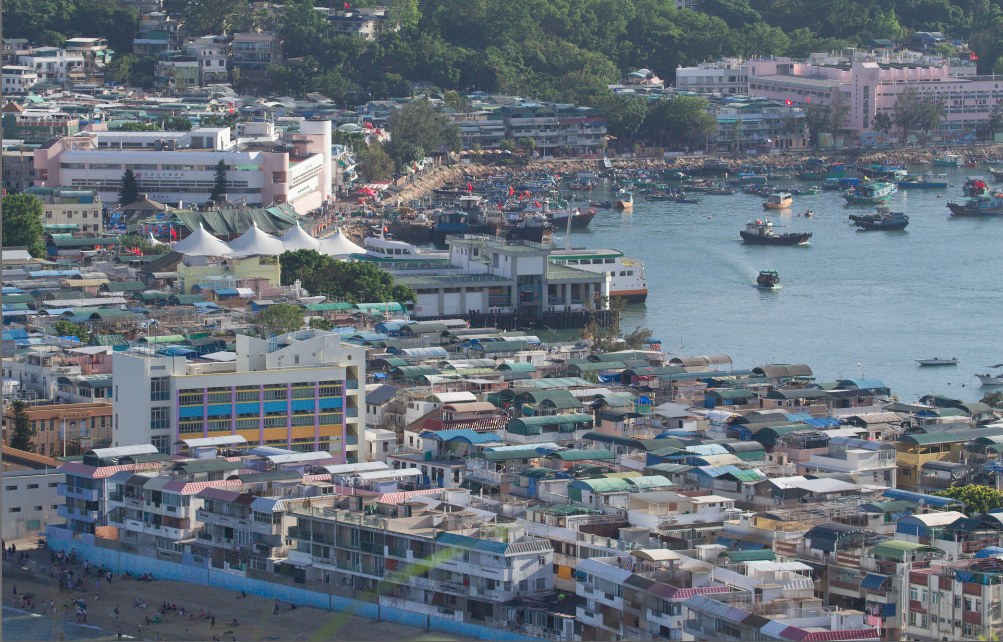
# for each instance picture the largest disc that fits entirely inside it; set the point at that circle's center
(75, 492)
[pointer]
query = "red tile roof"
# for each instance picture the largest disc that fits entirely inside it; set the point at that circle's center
(397, 498)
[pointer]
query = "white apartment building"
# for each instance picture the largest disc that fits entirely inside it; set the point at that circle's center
(30, 501)
(211, 53)
(52, 64)
(18, 78)
(867, 462)
(179, 167)
(724, 76)
(71, 207)
(299, 391)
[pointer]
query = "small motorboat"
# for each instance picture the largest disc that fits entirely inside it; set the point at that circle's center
(937, 362)
(768, 280)
(990, 380)
(779, 201)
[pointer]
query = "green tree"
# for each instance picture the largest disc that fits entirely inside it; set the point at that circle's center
(906, 111)
(128, 191)
(839, 109)
(456, 101)
(418, 123)
(508, 145)
(23, 432)
(219, 183)
(134, 241)
(882, 123)
(280, 319)
(682, 120)
(70, 329)
(358, 281)
(320, 323)
(133, 127)
(993, 399)
(977, 499)
(177, 124)
(527, 144)
(22, 223)
(209, 16)
(610, 338)
(816, 120)
(49, 38)
(995, 122)
(403, 153)
(376, 163)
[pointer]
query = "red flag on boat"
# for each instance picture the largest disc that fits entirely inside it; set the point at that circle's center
(526, 194)
(537, 203)
(369, 125)
(174, 233)
(511, 190)
(470, 188)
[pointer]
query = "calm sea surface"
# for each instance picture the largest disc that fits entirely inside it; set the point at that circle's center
(853, 303)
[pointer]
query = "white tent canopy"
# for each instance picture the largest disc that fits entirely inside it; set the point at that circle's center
(338, 245)
(296, 238)
(254, 241)
(201, 243)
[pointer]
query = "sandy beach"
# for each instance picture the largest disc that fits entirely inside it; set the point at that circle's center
(253, 613)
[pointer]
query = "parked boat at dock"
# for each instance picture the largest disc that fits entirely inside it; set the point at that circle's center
(817, 170)
(924, 181)
(760, 232)
(627, 280)
(950, 160)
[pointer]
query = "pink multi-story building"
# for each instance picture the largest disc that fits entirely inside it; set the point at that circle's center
(869, 88)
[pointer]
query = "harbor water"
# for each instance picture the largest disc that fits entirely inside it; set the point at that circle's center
(852, 303)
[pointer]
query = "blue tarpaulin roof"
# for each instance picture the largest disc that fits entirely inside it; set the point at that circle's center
(822, 422)
(920, 498)
(989, 551)
(725, 541)
(873, 581)
(225, 291)
(462, 434)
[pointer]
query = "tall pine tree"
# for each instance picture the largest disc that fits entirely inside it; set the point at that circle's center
(128, 192)
(23, 432)
(219, 187)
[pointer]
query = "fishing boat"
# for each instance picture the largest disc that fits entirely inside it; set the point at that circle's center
(830, 184)
(991, 380)
(997, 175)
(882, 172)
(924, 181)
(977, 201)
(884, 219)
(937, 362)
(535, 228)
(816, 170)
(624, 200)
(868, 193)
(760, 232)
(579, 220)
(779, 201)
(768, 280)
(721, 191)
(950, 160)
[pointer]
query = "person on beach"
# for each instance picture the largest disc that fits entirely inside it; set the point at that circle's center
(118, 630)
